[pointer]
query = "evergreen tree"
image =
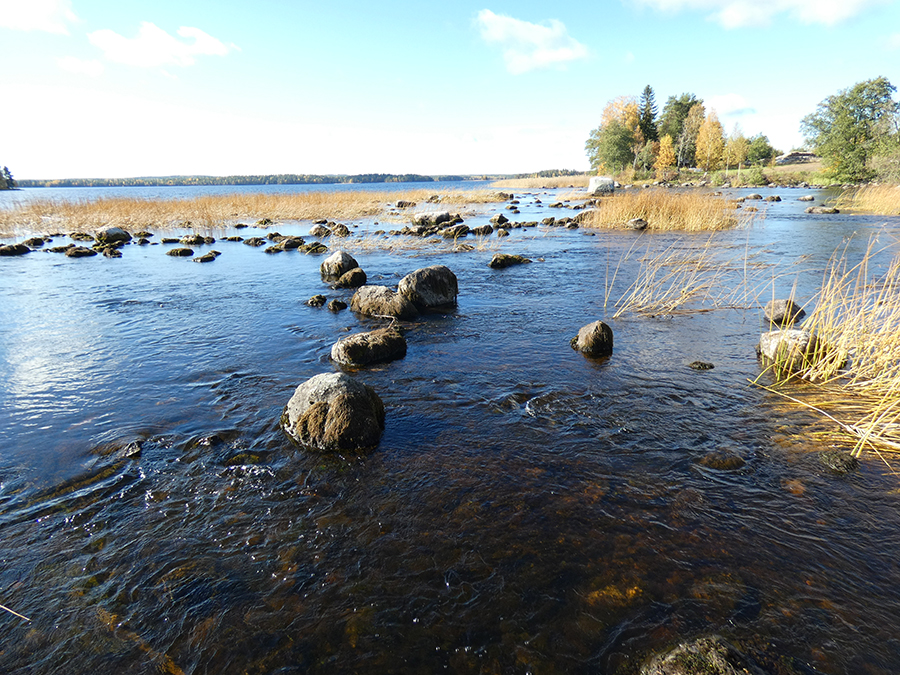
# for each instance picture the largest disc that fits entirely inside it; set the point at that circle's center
(674, 113)
(648, 115)
(6, 179)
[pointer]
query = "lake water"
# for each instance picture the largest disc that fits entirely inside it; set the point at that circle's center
(528, 510)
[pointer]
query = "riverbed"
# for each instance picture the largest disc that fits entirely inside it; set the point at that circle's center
(528, 510)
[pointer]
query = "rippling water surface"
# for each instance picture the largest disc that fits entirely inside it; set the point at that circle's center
(527, 511)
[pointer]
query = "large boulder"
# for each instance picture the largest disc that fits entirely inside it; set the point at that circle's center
(783, 312)
(707, 656)
(337, 264)
(599, 185)
(14, 249)
(429, 287)
(820, 210)
(791, 349)
(382, 301)
(333, 412)
(432, 218)
(360, 349)
(113, 235)
(595, 339)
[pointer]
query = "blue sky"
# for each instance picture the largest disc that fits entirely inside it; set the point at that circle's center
(94, 88)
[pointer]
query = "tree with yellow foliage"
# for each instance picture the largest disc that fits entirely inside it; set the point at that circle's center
(736, 149)
(665, 158)
(710, 143)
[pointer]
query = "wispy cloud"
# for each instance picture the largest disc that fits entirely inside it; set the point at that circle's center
(51, 16)
(71, 64)
(738, 13)
(732, 105)
(529, 46)
(153, 47)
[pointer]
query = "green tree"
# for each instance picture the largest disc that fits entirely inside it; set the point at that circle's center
(647, 112)
(760, 151)
(610, 147)
(852, 126)
(6, 179)
(687, 139)
(674, 112)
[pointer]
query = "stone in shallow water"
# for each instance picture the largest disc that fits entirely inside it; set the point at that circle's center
(706, 656)
(838, 461)
(722, 460)
(701, 365)
(595, 339)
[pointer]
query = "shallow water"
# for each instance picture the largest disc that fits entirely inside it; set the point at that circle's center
(527, 511)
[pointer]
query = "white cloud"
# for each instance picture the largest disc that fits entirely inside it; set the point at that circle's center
(45, 15)
(154, 47)
(72, 64)
(737, 13)
(528, 46)
(729, 105)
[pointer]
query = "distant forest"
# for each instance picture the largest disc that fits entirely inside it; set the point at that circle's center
(280, 179)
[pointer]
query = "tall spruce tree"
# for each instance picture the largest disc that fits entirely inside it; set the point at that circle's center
(648, 115)
(6, 179)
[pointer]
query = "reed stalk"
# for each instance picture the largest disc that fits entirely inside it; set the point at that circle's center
(880, 199)
(667, 210)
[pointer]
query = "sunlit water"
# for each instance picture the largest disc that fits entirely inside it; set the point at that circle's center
(528, 510)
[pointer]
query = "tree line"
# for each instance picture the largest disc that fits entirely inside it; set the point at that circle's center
(7, 182)
(633, 135)
(856, 132)
(276, 179)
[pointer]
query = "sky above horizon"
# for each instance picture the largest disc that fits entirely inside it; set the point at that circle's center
(93, 88)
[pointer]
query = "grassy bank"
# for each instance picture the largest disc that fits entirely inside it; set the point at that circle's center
(580, 180)
(883, 200)
(666, 210)
(214, 211)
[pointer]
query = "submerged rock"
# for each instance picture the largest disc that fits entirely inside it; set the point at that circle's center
(360, 349)
(706, 656)
(822, 210)
(179, 252)
(701, 365)
(337, 264)
(333, 412)
(382, 301)
(783, 312)
(502, 260)
(722, 460)
(316, 301)
(838, 461)
(430, 287)
(595, 339)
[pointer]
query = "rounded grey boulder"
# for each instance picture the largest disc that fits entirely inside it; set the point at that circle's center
(428, 287)
(112, 235)
(360, 349)
(783, 312)
(382, 301)
(595, 339)
(333, 412)
(337, 264)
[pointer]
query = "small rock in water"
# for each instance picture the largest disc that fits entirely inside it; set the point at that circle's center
(706, 656)
(722, 460)
(783, 312)
(701, 365)
(502, 260)
(80, 252)
(316, 301)
(337, 305)
(178, 252)
(838, 461)
(14, 249)
(637, 224)
(595, 339)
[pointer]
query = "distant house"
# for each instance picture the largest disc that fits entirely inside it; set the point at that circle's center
(796, 158)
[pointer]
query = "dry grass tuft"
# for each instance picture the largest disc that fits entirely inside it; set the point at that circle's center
(580, 180)
(667, 210)
(215, 211)
(883, 200)
(856, 368)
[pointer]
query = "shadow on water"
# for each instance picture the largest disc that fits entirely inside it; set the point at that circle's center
(528, 509)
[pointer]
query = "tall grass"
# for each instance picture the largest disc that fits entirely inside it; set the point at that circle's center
(211, 211)
(883, 200)
(667, 210)
(856, 366)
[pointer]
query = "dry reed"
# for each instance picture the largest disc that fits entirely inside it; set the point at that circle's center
(214, 211)
(856, 364)
(883, 200)
(533, 183)
(666, 210)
